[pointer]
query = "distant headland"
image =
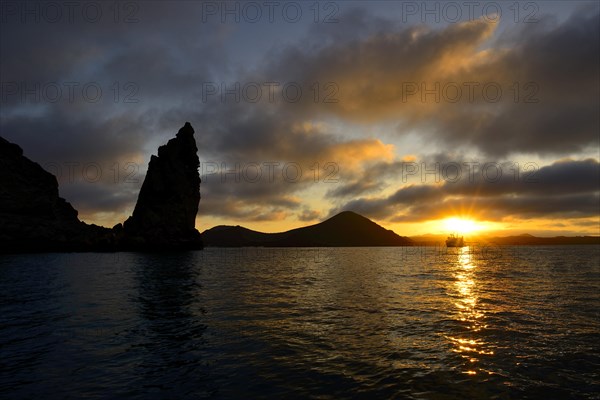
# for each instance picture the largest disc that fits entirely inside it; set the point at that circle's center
(346, 229)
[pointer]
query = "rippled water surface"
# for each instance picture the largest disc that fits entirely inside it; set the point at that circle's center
(511, 322)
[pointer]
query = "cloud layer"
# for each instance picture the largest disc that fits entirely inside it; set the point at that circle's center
(564, 189)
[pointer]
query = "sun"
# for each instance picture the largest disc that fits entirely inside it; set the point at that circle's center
(461, 225)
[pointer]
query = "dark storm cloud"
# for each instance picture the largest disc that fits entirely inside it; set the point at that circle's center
(370, 71)
(563, 62)
(376, 176)
(548, 77)
(356, 188)
(89, 197)
(273, 162)
(352, 24)
(371, 179)
(564, 189)
(246, 186)
(308, 215)
(108, 55)
(229, 194)
(57, 138)
(246, 133)
(499, 209)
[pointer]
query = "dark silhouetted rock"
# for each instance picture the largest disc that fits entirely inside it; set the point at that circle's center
(32, 215)
(165, 213)
(238, 236)
(346, 229)
(34, 218)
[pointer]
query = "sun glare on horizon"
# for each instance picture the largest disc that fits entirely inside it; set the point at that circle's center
(461, 225)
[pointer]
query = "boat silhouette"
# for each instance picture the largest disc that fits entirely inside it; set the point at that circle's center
(455, 241)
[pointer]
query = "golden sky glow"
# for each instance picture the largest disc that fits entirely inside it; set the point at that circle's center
(387, 106)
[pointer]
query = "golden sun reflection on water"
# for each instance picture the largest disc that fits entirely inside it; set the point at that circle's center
(464, 290)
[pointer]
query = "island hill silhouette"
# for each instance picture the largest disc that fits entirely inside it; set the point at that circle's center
(346, 229)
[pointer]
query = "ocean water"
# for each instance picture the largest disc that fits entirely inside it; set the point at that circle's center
(327, 323)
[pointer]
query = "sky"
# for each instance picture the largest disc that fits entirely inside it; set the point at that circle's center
(409, 113)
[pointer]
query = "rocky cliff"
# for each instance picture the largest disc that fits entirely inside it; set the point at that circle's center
(32, 215)
(165, 213)
(34, 218)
